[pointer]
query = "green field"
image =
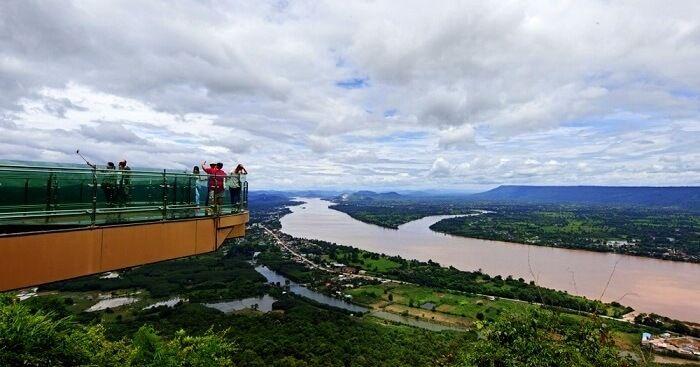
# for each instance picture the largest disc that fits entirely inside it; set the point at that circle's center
(468, 306)
(364, 260)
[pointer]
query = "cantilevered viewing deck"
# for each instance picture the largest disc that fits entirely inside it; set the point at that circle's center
(58, 223)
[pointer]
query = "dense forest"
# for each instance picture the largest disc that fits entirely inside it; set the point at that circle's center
(298, 334)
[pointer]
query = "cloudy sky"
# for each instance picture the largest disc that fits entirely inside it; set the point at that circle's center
(380, 94)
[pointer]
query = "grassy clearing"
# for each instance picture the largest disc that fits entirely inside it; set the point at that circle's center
(467, 306)
(365, 260)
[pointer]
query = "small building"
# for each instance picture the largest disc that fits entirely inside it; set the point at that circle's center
(618, 243)
(349, 270)
(428, 306)
(646, 337)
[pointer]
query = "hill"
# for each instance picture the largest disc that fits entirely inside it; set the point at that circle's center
(675, 197)
(371, 195)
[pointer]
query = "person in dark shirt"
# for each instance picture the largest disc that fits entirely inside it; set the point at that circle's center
(124, 184)
(109, 184)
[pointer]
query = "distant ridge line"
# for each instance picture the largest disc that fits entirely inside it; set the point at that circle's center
(684, 197)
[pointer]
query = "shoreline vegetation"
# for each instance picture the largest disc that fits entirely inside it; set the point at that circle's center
(664, 234)
(494, 330)
(432, 274)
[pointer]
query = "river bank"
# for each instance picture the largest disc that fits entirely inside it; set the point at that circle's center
(648, 285)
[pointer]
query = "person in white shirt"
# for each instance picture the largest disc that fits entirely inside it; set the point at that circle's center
(200, 186)
(234, 182)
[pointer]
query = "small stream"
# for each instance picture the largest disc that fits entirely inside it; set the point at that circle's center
(298, 289)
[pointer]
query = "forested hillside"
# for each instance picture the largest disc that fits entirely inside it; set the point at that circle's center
(675, 197)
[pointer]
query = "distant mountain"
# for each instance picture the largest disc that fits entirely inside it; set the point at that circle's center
(261, 200)
(371, 195)
(678, 197)
(267, 195)
(324, 194)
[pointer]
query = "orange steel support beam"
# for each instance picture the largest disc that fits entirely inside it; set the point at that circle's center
(29, 259)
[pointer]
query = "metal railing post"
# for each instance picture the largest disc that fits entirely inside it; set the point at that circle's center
(55, 193)
(175, 191)
(26, 191)
(190, 193)
(93, 215)
(165, 196)
(244, 197)
(49, 186)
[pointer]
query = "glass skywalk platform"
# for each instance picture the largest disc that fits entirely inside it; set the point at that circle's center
(59, 223)
(45, 197)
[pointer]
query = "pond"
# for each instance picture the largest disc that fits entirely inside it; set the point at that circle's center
(263, 304)
(111, 303)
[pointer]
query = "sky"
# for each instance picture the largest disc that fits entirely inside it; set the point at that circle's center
(360, 94)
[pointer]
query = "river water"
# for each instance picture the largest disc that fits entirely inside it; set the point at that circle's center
(648, 285)
(298, 289)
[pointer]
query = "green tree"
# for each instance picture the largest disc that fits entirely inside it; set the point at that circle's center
(542, 338)
(38, 338)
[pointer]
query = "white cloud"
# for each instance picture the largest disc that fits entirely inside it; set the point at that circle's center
(440, 168)
(608, 90)
(457, 137)
(319, 144)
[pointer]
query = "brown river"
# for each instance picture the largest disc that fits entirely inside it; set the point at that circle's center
(648, 285)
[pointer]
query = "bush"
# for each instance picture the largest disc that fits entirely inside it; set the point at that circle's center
(542, 338)
(36, 338)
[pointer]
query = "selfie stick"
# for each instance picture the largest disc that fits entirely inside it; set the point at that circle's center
(86, 161)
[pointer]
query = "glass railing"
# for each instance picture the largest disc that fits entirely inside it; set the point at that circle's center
(42, 196)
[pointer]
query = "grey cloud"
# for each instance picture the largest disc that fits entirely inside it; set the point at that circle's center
(320, 144)
(111, 132)
(59, 107)
(486, 87)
